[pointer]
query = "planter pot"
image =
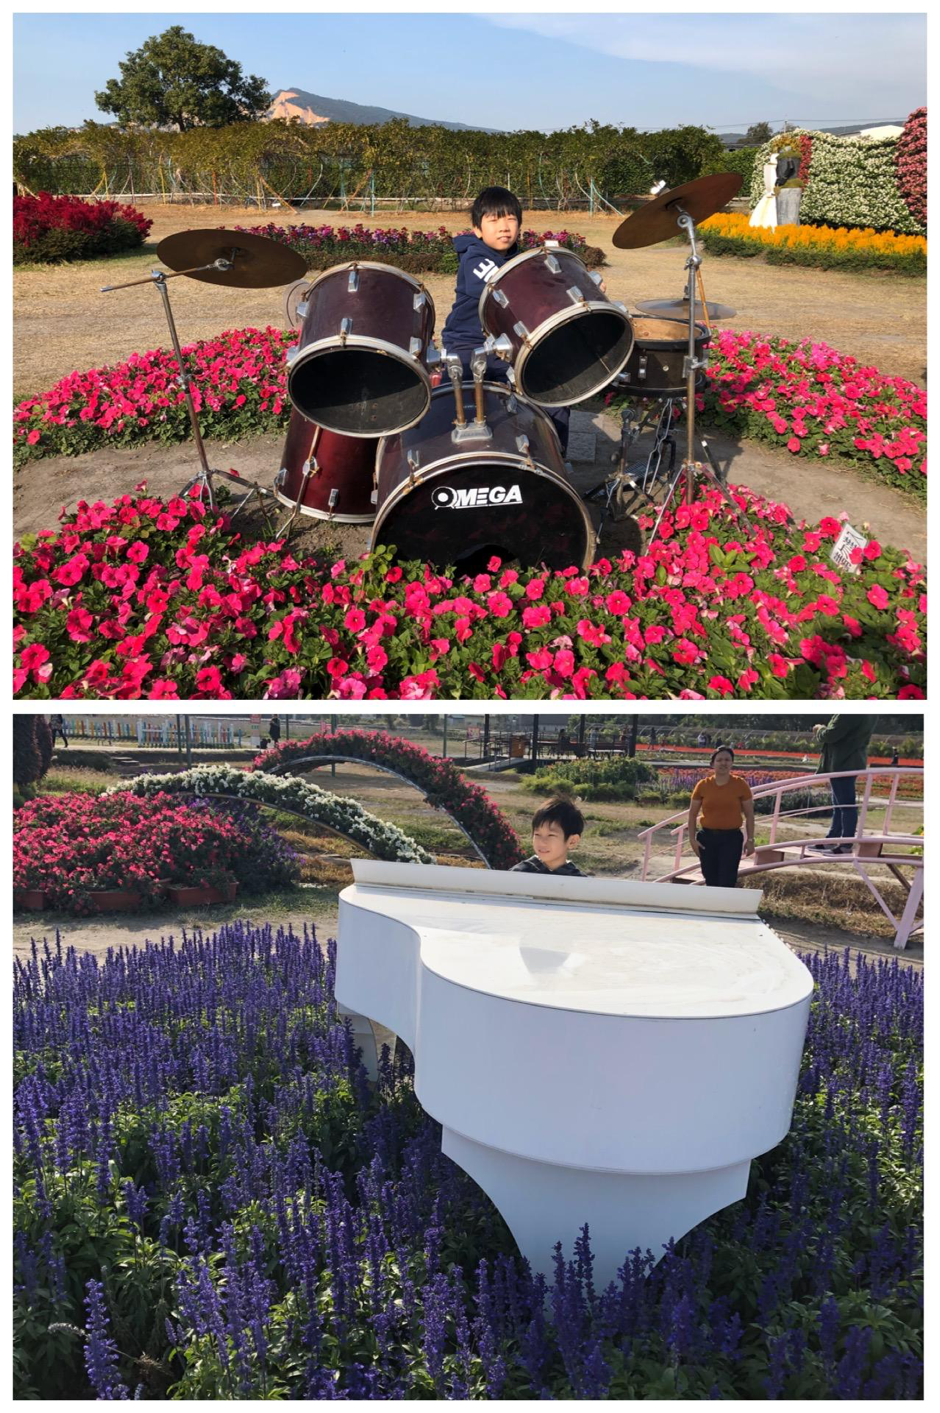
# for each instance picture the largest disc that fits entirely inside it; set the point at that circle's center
(788, 205)
(32, 898)
(194, 897)
(114, 900)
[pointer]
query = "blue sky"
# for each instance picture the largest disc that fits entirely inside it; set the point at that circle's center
(513, 71)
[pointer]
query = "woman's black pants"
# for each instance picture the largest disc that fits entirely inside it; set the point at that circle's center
(719, 856)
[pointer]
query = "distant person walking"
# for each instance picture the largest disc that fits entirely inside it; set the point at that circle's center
(725, 803)
(844, 747)
(274, 730)
(57, 723)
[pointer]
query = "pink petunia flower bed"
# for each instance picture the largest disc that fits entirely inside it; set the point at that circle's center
(146, 599)
(804, 396)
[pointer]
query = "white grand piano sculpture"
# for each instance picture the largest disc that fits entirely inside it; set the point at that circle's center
(597, 1050)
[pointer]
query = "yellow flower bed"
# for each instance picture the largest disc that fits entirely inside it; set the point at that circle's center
(734, 226)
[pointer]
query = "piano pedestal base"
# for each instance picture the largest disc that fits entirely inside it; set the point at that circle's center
(543, 1203)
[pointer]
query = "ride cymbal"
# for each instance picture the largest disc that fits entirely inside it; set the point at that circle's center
(257, 261)
(679, 309)
(658, 219)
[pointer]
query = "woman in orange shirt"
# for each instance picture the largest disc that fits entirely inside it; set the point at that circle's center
(725, 802)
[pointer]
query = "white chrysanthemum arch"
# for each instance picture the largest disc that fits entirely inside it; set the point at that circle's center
(295, 796)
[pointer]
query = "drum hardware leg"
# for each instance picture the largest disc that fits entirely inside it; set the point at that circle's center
(455, 373)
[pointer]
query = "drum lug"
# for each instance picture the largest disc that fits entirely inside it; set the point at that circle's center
(597, 277)
(552, 264)
(521, 332)
(420, 300)
(575, 295)
(414, 460)
(353, 284)
(301, 310)
(619, 304)
(334, 497)
(374, 496)
(522, 446)
(433, 356)
(501, 347)
(345, 329)
(512, 405)
(500, 298)
(641, 368)
(414, 347)
(280, 478)
(291, 355)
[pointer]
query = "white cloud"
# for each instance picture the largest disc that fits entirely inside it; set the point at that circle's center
(863, 61)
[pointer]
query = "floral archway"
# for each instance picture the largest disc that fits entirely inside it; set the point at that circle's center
(300, 797)
(440, 781)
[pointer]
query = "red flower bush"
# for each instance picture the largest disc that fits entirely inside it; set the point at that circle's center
(54, 228)
(72, 845)
(912, 164)
(804, 396)
(813, 401)
(163, 600)
(441, 781)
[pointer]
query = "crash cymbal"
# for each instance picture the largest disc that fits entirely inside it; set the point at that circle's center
(657, 220)
(257, 262)
(679, 309)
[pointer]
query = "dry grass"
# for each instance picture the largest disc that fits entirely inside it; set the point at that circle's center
(62, 322)
(832, 899)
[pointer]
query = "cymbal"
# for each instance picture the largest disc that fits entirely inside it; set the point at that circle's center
(679, 309)
(658, 219)
(257, 263)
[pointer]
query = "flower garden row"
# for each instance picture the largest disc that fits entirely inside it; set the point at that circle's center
(211, 1202)
(803, 396)
(50, 229)
(824, 247)
(418, 252)
(81, 854)
(163, 600)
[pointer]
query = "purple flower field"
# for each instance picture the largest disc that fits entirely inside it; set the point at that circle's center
(211, 1201)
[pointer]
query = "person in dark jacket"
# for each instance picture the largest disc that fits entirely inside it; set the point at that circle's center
(556, 828)
(496, 218)
(274, 730)
(844, 747)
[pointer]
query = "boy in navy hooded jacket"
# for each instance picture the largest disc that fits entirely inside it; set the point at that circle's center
(496, 217)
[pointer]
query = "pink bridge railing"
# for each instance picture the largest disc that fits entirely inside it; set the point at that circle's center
(792, 837)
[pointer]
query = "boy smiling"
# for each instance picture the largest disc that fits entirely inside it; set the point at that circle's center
(556, 828)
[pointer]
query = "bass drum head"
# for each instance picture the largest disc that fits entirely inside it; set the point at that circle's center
(576, 358)
(471, 509)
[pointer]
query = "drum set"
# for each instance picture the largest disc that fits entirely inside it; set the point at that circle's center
(385, 429)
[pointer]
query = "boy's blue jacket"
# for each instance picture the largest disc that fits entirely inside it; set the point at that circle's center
(478, 263)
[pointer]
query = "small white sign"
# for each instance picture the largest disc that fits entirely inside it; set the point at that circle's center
(848, 541)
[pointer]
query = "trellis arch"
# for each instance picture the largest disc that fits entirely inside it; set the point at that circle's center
(294, 796)
(439, 781)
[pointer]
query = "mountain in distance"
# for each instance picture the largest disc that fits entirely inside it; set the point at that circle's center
(313, 108)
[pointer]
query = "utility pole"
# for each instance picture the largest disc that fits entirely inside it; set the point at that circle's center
(333, 721)
(535, 739)
(444, 746)
(486, 736)
(631, 739)
(189, 744)
(179, 736)
(581, 733)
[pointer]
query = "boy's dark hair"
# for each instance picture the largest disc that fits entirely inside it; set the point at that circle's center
(495, 201)
(717, 752)
(560, 811)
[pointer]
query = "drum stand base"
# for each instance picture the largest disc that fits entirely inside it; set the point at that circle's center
(203, 480)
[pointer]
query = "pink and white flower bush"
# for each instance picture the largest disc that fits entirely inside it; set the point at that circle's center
(804, 396)
(143, 598)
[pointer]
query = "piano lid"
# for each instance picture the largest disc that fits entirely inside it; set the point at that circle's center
(604, 946)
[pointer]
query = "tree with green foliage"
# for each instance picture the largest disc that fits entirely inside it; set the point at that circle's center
(173, 80)
(758, 133)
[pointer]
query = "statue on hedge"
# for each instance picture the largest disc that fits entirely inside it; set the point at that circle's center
(765, 212)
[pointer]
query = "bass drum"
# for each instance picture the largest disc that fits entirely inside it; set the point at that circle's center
(325, 475)
(457, 496)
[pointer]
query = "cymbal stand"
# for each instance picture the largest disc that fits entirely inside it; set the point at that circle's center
(691, 466)
(203, 478)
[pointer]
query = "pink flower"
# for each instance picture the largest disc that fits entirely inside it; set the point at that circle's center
(536, 616)
(878, 597)
(721, 685)
(137, 552)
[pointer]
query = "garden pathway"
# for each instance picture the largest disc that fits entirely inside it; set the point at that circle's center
(810, 488)
(88, 935)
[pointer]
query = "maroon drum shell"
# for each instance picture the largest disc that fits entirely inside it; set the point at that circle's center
(344, 464)
(371, 381)
(547, 524)
(654, 368)
(571, 349)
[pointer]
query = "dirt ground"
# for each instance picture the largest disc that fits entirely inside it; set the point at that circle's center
(610, 848)
(62, 322)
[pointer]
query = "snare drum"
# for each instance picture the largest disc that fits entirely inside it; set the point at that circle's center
(360, 367)
(448, 495)
(325, 475)
(654, 368)
(568, 340)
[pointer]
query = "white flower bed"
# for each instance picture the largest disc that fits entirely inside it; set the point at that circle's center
(384, 841)
(853, 181)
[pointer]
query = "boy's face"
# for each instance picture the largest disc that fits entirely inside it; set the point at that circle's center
(498, 232)
(550, 844)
